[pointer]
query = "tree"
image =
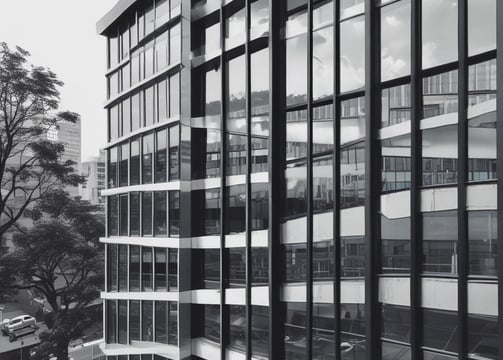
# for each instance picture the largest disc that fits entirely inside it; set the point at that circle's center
(61, 258)
(31, 166)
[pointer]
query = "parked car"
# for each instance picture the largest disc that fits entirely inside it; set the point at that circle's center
(19, 322)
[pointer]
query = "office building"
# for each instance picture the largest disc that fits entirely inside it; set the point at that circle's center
(94, 169)
(300, 179)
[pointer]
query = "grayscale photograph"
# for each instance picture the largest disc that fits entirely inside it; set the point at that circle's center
(251, 180)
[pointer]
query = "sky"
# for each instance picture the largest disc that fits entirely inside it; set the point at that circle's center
(61, 35)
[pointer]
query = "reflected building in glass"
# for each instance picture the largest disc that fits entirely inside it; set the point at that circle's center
(303, 179)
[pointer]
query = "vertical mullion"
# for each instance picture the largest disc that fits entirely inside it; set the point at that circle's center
(224, 331)
(276, 166)
(499, 163)
(372, 180)
(462, 178)
(309, 184)
(336, 184)
(248, 185)
(415, 190)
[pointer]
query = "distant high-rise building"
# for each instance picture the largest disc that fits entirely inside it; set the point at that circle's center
(94, 170)
(304, 179)
(69, 133)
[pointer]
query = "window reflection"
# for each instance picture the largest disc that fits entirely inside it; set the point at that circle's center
(481, 26)
(323, 187)
(352, 331)
(209, 202)
(396, 323)
(440, 152)
(395, 40)
(352, 256)
(259, 96)
(295, 330)
(482, 82)
(439, 32)
(295, 260)
(323, 331)
(352, 48)
(296, 134)
(236, 101)
(440, 94)
(260, 266)
(483, 337)
(296, 59)
(395, 240)
(295, 182)
(396, 163)
(235, 24)
(260, 330)
(237, 267)
(323, 260)
(352, 121)
(482, 147)
(259, 18)
(259, 154)
(395, 105)
(323, 54)
(352, 174)
(440, 233)
(483, 242)
(205, 153)
(323, 128)
(236, 209)
(207, 267)
(440, 330)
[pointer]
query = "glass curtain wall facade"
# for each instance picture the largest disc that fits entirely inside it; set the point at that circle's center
(304, 179)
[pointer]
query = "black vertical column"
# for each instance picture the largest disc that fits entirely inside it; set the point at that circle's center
(248, 187)
(462, 178)
(372, 180)
(337, 186)
(416, 228)
(309, 185)
(276, 144)
(499, 164)
(224, 268)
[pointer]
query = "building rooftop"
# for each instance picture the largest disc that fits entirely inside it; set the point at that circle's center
(112, 15)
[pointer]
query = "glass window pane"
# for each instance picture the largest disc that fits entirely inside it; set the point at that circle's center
(237, 327)
(112, 258)
(163, 102)
(134, 269)
(160, 213)
(126, 117)
(440, 330)
(174, 96)
(112, 167)
(134, 214)
(440, 153)
(481, 26)
(122, 317)
(135, 162)
(147, 213)
(236, 209)
(483, 337)
(483, 242)
(148, 149)
(123, 216)
(236, 154)
(440, 234)
(259, 206)
(395, 40)
(296, 59)
(134, 320)
(161, 322)
(161, 51)
(235, 101)
(259, 97)
(113, 215)
(440, 32)
(235, 25)
(259, 18)
(161, 12)
(352, 47)
(161, 155)
(237, 267)
(146, 269)
(174, 144)
(123, 165)
(175, 46)
(260, 331)
(323, 52)
(147, 312)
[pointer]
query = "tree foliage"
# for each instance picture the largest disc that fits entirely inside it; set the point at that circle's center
(31, 166)
(61, 258)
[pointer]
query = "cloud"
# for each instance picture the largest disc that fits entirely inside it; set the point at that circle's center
(429, 58)
(392, 21)
(392, 68)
